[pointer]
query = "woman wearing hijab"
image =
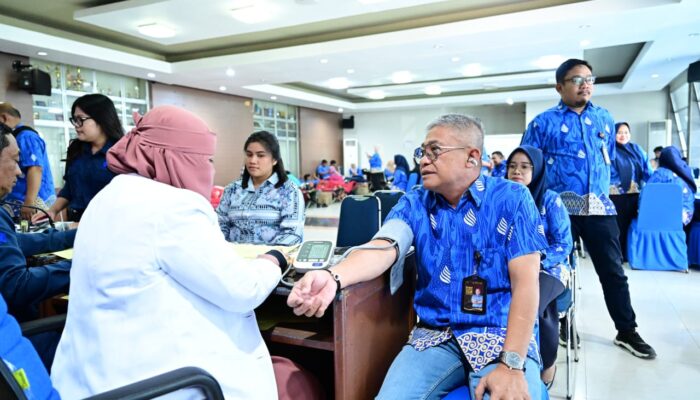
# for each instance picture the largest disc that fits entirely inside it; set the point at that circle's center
(628, 172)
(400, 173)
(525, 165)
(263, 207)
(672, 169)
(154, 284)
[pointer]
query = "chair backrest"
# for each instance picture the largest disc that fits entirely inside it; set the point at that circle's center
(661, 207)
(377, 181)
(412, 180)
(387, 199)
(359, 220)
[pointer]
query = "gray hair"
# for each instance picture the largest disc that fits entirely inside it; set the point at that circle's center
(463, 125)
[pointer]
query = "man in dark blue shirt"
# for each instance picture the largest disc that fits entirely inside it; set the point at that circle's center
(577, 139)
(25, 287)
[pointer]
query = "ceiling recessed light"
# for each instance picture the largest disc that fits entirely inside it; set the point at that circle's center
(42, 53)
(273, 97)
(549, 62)
(584, 42)
(338, 83)
(694, 34)
(323, 61)
(438, 46)
(254, 13)
(222, 88)
(654, 76)
(230, 72)
(432, 90)
(340, 109)
(473, 69)
(156, 30)
(376, 94)
(402, 77)
(151, 75)
(509, 101)
(350, 71)
(586, 26)
(455, 59)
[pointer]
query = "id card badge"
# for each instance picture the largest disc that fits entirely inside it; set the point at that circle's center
(606, 156)
(474, 295)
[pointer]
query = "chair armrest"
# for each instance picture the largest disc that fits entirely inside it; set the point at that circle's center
(181, 378)
(50, 324)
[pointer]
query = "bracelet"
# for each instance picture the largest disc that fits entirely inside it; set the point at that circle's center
(336, 278)
(281, 260)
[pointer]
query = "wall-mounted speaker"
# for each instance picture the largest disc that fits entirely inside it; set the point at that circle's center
(35, 81)
(348, 123)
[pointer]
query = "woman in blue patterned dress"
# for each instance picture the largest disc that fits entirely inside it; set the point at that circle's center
(263, 207)
(526, 165)
(673, 169)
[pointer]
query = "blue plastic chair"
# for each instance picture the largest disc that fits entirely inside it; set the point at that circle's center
(656, 240)
(387, 200)
(360, 219)
(694, 244)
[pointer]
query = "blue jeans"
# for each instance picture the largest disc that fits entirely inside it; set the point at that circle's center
(436, 371)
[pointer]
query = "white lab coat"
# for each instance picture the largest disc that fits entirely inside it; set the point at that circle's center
(154, 287)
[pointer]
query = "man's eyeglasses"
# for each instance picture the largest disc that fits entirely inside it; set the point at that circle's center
(78, 121)
(579, 80)
(432, 152)
(525, 167)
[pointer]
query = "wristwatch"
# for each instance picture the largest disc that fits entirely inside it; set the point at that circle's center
(512, 360)
(336, 278)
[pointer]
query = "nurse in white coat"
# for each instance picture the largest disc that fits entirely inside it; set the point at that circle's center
(154, 284)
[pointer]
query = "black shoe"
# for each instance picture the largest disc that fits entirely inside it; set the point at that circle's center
(632, 342)
(562, 335)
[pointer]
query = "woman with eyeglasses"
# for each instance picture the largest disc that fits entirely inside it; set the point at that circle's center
(263, 207)
(98, 127)
(526, 165)
(628, 172)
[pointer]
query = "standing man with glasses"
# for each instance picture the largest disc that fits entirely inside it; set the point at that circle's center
(34, 186)
(578, 142)
(477, 245)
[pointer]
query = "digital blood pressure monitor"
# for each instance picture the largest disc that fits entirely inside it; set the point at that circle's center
(314, 254)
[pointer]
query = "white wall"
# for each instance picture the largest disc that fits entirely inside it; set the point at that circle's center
(400, 132)
(637, 109)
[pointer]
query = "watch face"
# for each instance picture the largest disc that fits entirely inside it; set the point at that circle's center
(513, 359)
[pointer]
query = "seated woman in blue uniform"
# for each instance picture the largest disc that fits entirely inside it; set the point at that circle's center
(673, 169)
(400, 173)
(526, 166)
(263, 207)
(98, 127)
(628, 172)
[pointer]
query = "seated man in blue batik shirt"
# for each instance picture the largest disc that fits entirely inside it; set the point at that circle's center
(34, 186)
(477, 243)
(24, 288)
(577, 139)
(323, 170)
(498, 166)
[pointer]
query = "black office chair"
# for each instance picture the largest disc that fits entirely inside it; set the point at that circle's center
(181, 378)
(377, 181)
(387, 199)
(360, 219)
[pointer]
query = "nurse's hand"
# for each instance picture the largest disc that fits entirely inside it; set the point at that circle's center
(312, 294)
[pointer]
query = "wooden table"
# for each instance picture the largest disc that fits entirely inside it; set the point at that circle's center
(365, 329)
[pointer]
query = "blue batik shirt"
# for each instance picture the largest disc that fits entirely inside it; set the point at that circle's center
(86, 176)
(32, 150)
(499, 170)
(375, 162)
(266, 215)
(573, 147)
(495, 217)
(665, 175)
(640, 171)
(557, 229)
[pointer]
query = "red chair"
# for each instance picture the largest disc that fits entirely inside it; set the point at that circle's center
(216, 193)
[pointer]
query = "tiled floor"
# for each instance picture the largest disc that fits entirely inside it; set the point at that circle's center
(668, 313)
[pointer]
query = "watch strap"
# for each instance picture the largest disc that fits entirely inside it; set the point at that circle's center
(336, 278)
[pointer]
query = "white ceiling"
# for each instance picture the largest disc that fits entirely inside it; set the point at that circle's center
(508, 44)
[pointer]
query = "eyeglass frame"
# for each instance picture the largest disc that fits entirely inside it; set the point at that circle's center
(590, 79)
(442, 150)
(78, 122)
(512, 166)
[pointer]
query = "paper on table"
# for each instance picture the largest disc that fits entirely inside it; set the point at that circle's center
(67, 254)
(253, 250)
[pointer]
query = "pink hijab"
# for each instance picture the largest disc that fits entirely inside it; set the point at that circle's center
(169, 145)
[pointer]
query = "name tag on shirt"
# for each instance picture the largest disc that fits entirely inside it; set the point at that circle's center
(474, 295)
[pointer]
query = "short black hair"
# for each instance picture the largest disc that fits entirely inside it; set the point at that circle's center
(324, 161)
(497, 153)
(567, 65)
(333, 162)
(658, 148)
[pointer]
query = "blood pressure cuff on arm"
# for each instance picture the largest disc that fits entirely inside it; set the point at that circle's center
(398, 231)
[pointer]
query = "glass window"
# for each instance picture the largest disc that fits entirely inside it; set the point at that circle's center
(280, 120)
(679, 97)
